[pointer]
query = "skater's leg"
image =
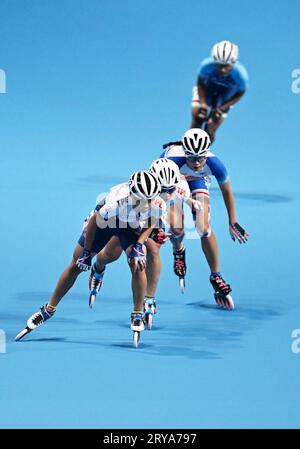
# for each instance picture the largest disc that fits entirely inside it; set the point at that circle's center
(211, 128)
(108, 254)
(153, 267)
(138, 283)
(210, 249)
(217, 117)
(176, 219)
(111, 252)
(208, 240)
(66, 280)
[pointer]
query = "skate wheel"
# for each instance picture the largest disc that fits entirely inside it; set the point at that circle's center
(182, 285)
(22, 334)
(218, 300)
(224, 301)
(92, 300)
(229, 303)
(136, 338)
(149, 320)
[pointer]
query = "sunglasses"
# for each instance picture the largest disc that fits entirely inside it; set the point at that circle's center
(224, 64)
(196, 159)
(168, 190)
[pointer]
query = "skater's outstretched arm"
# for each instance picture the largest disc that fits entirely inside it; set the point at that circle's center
(90, 233)
(137, 253)
(84, 260)
(228, 200)
(236, 231)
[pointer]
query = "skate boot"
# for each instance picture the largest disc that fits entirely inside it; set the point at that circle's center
(137, 326)
(95, 283)
(180, 267)
(36, 320)
(222, 290)
(149, 311)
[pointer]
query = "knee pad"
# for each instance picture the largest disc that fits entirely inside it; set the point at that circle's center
(176, 236)
(204, 235)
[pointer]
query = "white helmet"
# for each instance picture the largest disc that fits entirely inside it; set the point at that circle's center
(225, 52)
(144, 185)
(166, 171)
(196, 142)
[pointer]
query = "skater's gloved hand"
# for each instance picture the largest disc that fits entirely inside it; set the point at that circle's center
(216, 115)
(160, 236)
(137, 257)
(202, 113)
(84, 260)
(239, 233)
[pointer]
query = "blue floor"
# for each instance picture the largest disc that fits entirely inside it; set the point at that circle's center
(92, 94)
(198, 367)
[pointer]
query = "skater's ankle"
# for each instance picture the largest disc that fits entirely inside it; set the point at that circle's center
(214, 274)
(50, 309)
(179, 250)
(99, 269)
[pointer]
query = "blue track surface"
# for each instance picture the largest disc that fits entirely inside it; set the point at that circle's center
(61, 146)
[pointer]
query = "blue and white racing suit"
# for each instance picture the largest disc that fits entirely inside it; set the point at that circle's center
(198, 181)
(220, 88)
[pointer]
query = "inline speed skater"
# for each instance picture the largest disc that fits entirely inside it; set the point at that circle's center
(221, 82)
(198, 164)
(138, 209)
(93, 239)
(175, 191)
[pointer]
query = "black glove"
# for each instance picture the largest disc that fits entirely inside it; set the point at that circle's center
(216, 115)
(237, 232)
(169, 144)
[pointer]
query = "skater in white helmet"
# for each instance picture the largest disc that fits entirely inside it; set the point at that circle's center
(135, 203)
(174, 191)
(138, 210)
(198, 165)
(222, 81)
